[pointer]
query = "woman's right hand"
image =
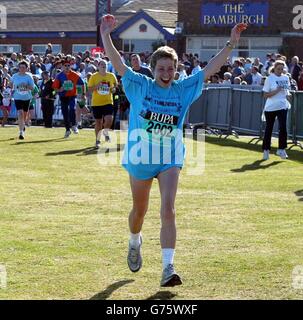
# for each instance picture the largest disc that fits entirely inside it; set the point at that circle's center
(108, 24)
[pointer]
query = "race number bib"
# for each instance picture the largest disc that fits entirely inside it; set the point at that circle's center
(160, 128)
(104, 88)
(68, 85)
(22, 89)
(79, 92)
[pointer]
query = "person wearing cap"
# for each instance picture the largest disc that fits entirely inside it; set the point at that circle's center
(227, 78)
(47, 95)
(65, 84)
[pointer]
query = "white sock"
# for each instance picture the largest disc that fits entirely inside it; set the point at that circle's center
(105, 132)
(167, 257)
(135, 239)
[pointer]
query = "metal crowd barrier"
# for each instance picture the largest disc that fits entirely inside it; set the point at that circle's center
(227, 110)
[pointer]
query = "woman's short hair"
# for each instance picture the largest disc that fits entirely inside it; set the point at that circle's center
(163, 52)
(24, 63)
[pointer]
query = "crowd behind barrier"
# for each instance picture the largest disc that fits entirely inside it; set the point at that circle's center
(232, 101)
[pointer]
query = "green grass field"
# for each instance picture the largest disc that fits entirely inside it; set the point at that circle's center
(64, 233)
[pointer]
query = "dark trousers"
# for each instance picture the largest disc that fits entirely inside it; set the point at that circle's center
(47, 107)
(68, 111)
(270, 117)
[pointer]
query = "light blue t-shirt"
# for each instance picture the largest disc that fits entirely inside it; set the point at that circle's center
(155, 133)
(20, 82)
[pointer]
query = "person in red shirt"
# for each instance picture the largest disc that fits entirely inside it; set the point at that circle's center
(65, 84)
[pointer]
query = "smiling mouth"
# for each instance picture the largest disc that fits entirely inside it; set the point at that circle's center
(165, 81)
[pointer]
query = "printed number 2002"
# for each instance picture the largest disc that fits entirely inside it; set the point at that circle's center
(162, 129)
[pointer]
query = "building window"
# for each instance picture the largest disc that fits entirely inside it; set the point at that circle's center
(138, 45)
(128, 46)
(10, 48)
(143, 27)
(41, 48)
(251, 47)
(82, 47)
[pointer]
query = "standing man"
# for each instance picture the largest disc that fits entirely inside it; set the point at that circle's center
(295, 68)
(135, 61)
(22, 86)
(102, 84)
(65, 84)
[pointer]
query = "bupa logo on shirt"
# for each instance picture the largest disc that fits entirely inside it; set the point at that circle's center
(160, 117)
(158, 125)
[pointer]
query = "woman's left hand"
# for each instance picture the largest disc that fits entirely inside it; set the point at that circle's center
(236, 32)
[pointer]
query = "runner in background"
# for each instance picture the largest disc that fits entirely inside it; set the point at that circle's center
(65, 85)
(102, 84)
(22, 85)
(32, 106)
(81, 103)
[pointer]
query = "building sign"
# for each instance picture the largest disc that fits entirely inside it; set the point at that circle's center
(228, 14)
(3, 17)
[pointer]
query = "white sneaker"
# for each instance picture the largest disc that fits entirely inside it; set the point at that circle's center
(169, 277)
(67, 134)
(134, 257)
(282, 153)
(75, 129)
(265, 154)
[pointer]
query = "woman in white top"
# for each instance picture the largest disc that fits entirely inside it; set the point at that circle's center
(276, 91)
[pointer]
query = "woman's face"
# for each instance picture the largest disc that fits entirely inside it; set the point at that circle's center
(279, 69)
(102, 67)
(22, 68)
(164, 72)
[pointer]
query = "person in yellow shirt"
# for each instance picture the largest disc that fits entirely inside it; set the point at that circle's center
(102, 84)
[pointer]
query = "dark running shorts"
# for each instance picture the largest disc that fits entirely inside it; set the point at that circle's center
(22, 105)
(101, 111)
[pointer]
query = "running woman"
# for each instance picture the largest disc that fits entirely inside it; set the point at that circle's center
(158, 107)
(22, 85)
(102, 84)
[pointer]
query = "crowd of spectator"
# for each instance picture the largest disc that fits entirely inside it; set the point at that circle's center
(46, 67)
(244, 71)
